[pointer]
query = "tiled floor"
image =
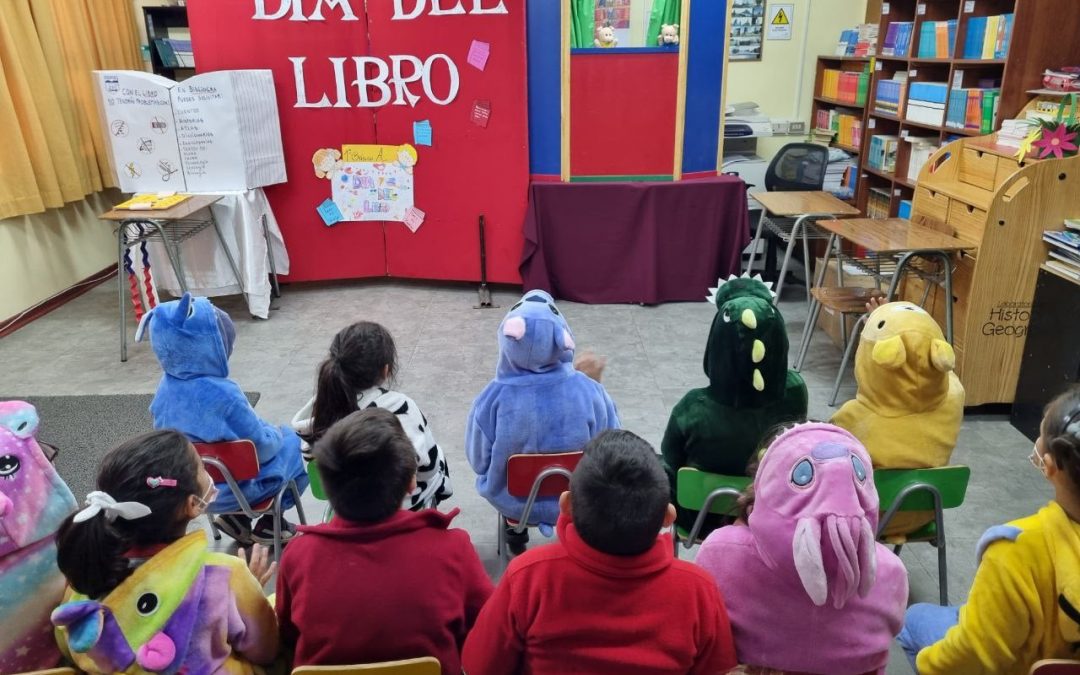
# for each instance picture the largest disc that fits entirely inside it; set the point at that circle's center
(448, 351)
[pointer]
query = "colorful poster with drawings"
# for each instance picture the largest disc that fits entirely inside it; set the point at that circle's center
(373, 182)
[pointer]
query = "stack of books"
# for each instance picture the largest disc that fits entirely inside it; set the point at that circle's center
(1013, 132)
(175, 53)
(921, 149)
(988, 37)
(890, 94)
(848, 40)
(882, 155)
(972, 109)
(898, 39)
(846, 86)
(877, 203)
(838, 175)
(858, 41)
(845, 127)
(936, 39)
(1065, 249)
(926, 102)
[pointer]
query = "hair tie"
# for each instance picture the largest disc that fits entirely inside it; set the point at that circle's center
(157, 481)
(97, 502)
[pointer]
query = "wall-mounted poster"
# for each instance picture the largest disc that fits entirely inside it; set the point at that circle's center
(747, 27)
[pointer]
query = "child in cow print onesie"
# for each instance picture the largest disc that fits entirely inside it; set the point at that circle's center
(361, 362)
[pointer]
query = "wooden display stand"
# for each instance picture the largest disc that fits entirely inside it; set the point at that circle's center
(979, 192)
(1041, 38)
(854, 64)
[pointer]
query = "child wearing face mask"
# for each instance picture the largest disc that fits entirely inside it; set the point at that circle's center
(1024, 603)
(145, 596)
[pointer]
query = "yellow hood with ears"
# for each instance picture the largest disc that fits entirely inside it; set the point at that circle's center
(909, 404)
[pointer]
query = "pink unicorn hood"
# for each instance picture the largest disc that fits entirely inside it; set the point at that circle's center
(816, 511)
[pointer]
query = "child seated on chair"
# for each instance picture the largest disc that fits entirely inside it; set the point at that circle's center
(909, 405)
(33, 502)
(356, 375)
(807, 586)
(537, 403)
(609, 596)
(408, 585)
(193, 341)
(1024, 603)
(146, 597)
(751, 389)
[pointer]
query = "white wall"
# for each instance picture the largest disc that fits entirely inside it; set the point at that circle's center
(773, 82)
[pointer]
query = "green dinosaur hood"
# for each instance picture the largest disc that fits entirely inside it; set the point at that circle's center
(746, 358)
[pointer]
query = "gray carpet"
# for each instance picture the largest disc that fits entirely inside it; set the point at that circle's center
(84, 428)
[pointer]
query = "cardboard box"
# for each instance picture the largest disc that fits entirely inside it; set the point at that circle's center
(829, 321)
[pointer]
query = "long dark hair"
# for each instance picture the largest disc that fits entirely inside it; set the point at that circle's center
(91, 553)
(358, 356)
(1061, 432)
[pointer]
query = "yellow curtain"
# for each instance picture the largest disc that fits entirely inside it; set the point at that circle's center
(51, 148)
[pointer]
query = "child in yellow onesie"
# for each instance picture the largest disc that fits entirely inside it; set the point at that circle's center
(1024, 603)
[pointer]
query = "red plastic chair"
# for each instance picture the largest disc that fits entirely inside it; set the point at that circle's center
(531, 476)
(1056, 667)
(230, 462)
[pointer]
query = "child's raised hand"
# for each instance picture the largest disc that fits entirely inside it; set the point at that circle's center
(259, 563)
(591, 364)
(875, 302)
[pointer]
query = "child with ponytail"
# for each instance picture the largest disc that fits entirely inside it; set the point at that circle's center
(356, 375)
(1024, 603)
(145, 596)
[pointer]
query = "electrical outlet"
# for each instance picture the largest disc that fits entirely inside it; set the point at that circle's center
(797, 128)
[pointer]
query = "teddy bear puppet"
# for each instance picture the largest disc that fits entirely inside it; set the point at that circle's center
(669, 34)
(605, 37)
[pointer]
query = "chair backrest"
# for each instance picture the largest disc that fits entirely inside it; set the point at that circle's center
(238, 457)
(428, 665)
(798, 166)
(950, 481)
(522, 470)
(315, 481)
(692, 488)
(1055, 667)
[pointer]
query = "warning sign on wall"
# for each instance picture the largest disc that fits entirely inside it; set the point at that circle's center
(779, 24)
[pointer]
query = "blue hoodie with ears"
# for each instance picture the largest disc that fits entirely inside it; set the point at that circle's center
(193, 341)
(537, 403)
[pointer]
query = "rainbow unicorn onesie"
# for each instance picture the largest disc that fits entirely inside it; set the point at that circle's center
(185, 609)
(33, 503)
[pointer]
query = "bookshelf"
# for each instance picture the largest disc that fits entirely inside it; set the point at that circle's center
(1037, 42)
(851, 103)
(166, 23)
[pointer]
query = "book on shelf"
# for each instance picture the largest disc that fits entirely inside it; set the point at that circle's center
(877, 203)
(882, 153)
(936, 39)
(866, 39)
(1063, 239)
(988, 37)
(973, 109)
(175, 53)
(922, 147)
(890, 94)
(926, 102)
(897, 39)
(904, 209)
(847, 86)
(846, 45)
(1073, 223)
(1064, 269)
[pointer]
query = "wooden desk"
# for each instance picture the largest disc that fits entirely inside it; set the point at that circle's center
(172, 227)
(802, 206)
(892, 235)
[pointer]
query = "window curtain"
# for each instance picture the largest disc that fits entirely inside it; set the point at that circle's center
(663, 11)
(582, 23)
(53, 150)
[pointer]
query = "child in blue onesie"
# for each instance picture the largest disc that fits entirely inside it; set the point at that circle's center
(537, 403)
(193, 341)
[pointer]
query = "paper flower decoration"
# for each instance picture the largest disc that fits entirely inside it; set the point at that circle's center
(1057, 141)
(1025, 145)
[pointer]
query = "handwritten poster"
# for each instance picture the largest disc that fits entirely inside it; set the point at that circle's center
(374, 182)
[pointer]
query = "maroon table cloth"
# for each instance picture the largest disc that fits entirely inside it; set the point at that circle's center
(634, 242)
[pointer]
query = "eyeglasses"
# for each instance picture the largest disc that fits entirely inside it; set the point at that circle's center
(1036, 459)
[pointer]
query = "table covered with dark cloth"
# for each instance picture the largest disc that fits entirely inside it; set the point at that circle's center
(647, 242)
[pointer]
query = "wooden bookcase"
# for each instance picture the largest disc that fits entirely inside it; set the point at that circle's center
(980, 192)
(166, 22)
(820, 102)
(1043, 36)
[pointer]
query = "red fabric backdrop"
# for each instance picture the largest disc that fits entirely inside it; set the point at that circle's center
(467, 172)
(622, 114)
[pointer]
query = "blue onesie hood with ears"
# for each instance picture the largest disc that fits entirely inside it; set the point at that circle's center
(534, 338)
(190, 337)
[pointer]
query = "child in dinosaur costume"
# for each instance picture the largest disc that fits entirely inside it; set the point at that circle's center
(193, 341)
(33, 502)
(909, 404)
(537, 403)
(807, 587)
(719, 427)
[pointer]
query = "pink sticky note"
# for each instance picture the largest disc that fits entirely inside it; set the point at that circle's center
(478, 54)
(414, 218)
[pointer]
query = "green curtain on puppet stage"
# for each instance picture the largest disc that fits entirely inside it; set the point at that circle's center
(582, 23)
(663, 11)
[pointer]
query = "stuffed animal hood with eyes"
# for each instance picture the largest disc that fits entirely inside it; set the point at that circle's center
(806, 585)
(33, 502)
(909, 405)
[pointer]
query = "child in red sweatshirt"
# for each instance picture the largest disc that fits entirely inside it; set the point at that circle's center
(609, 597)
(377, 583)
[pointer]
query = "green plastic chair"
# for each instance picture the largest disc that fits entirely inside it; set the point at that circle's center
(317, 490)
(705, 493)
(902, 490)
